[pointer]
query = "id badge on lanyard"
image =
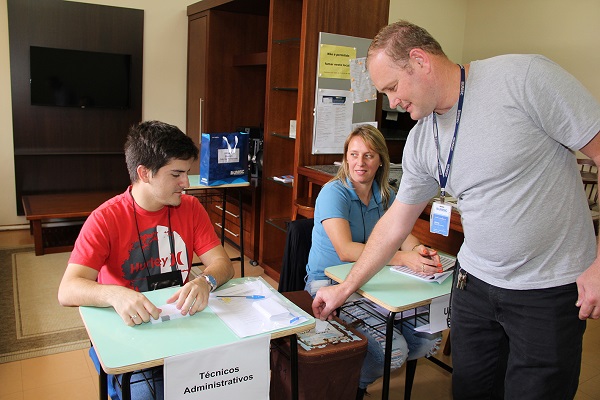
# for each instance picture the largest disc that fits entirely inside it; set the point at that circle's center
(439, 220)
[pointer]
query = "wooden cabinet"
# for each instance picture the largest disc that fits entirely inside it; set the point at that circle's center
(294, 27)
(253, 62)
(282, 100)
(227, 47)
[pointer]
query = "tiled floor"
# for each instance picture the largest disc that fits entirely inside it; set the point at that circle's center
(71, 375)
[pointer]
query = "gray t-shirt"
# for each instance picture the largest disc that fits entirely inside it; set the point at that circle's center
(524, 212)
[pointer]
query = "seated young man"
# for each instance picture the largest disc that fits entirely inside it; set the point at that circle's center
(145, 238)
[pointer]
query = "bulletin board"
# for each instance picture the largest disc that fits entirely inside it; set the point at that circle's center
(344, 95)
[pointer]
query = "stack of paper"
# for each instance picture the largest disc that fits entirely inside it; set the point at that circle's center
(252, 308)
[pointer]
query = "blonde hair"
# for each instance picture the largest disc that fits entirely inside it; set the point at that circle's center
(375, 140)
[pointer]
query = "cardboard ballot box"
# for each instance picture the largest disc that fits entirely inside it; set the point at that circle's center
(329, 363)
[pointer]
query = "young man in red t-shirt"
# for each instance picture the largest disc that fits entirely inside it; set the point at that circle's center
(145, 238)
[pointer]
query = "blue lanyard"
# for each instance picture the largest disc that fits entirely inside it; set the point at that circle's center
(444, 175)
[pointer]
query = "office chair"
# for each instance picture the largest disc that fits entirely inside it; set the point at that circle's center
(298, 241)
(589, 176)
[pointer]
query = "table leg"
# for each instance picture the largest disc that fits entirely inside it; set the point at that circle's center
(241, 207)
(126, 386)
(389, 335)
(294, 365)
(37, 237)
(103, 385)
(224, 206)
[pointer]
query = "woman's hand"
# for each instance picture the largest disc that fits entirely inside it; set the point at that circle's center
(421, 259)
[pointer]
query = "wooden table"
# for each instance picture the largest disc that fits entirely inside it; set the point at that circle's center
(69, 207)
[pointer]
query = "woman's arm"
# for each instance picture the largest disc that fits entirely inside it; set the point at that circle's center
(338, 231)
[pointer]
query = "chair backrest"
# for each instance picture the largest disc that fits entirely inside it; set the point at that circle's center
(589, 175)
(295, 257)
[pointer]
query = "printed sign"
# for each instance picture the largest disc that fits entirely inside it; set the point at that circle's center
(234, 371)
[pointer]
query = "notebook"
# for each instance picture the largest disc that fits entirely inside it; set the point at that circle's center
(447, 261)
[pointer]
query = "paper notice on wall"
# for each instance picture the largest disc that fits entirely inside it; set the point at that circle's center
(360, 82)
(334, 61)
(333, 121)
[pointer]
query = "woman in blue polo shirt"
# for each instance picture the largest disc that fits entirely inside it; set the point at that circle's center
(346, 211)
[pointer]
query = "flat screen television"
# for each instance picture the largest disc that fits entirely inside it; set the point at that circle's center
(75, 78)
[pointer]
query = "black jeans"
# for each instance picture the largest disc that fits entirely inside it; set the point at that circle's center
(515, 344)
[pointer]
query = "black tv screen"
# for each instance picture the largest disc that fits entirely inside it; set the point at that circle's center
(75, 78)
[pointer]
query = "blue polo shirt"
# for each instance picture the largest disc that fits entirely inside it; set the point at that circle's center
(337, 201)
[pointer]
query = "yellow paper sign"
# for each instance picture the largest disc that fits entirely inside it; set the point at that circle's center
(334, 61)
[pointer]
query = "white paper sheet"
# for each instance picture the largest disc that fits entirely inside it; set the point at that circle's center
(246, 319)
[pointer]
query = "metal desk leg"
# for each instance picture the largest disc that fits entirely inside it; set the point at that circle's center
(241, 207)
(126, 386)
(241, 211)
(224, 206)
(294, 365)
(389, 335)
(103, 384)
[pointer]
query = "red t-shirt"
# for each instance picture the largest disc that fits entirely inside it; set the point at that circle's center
(110, 240)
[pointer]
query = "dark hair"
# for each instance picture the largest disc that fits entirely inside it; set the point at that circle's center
(399, 38)
(153, 144)
(375, 140)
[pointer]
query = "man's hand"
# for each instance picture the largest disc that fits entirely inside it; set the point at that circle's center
(133, 307)
(192, 297)
(327, 300)
(588, 286)
(422, 260)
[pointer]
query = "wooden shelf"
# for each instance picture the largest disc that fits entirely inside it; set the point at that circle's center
(285, 89)
(282, 136)
(286, 184)
(293, 41)
(279, 223)
(248, 60)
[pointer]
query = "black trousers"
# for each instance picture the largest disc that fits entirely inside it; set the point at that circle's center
(515, 344)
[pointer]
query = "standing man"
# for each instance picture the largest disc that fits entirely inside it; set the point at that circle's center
(498, 135)
(145, 238)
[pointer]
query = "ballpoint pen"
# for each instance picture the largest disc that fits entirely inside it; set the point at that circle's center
(253, 296)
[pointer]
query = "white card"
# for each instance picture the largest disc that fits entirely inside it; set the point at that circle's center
(169, 312)
(271, 309)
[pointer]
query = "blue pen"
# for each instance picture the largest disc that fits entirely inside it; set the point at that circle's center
(253, 297)
(294, 319)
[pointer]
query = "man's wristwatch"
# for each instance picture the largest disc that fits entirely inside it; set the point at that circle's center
(212, 282)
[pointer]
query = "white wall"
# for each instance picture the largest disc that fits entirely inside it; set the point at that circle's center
(445, 20)
(566, 32)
